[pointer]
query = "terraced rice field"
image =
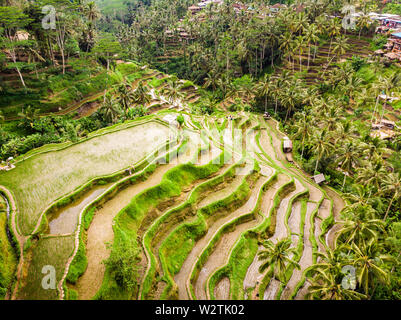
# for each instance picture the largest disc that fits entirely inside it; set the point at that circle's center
(198, 210)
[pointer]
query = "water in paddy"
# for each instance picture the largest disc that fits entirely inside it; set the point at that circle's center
(66, 219)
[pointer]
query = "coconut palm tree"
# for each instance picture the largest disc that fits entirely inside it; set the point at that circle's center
(360, 196)
(29, 115)
(322, 145)
(328, 288)
(173, 91)
(348, 158)
(392, 185)
(331, 119)
(210, 81)
(361, 225)
(125, 95)
(370, 265)
(287, 44)
(111, 109)
(311, 37)
(340, 47)
(277, 257)
(333, 30)
(303, 130)
(264, 88)
(364, 21)
(300, 45)
(344, 131)
(374, 148)
(332, 261)
(141, 94)
(372, 174)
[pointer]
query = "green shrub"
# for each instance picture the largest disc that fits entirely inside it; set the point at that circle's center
(78, 265)
(123, 264)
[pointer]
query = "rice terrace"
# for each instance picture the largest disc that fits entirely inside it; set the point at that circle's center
(212, 150)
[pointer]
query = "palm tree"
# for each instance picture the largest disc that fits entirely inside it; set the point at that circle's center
(287, 44)
(299, 44)
(370, 264)
(211, 81)
(303, 130)
(392, 185)
(328, 274)
(173, 91)
(331, 262)
(333, 30)
(340, 47)
(322, 145)
(344, 131)
(372, 174)
(125, 95)
(311, 37)
(364, 21)
(331, 119)
(348, 158)
(29, 115)
(360, 196)
(374, 148)
(92, 13)
(141, 94)
(360, 228)
(264, 88)
(328, 288)
(111, 109)
(276, 257)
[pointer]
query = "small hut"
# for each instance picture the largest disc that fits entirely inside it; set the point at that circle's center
(391, 56)
(319, 179)
(287, 147)
(389, 124)
(194, 9)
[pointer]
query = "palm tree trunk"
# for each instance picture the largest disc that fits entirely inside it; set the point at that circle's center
(303, 148)
(265, 102)
(317, 164)
(388, 209)
(20, 76)
(345, 178)
(300, 61)
(328, 54)
(374, 111)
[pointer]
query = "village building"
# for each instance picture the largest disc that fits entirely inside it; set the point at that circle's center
(22, 35)
(277, 7)
(389, 124)
(287, 145)
(394, 47)
(299, 8)
(384, 130)
(194, 9)
(319, 179)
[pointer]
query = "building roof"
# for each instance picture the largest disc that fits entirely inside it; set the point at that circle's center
(397, 34)
(391, 55)
(22, 35)
(287, 144)
(278, 5)
(319, 178)
(388, 122)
